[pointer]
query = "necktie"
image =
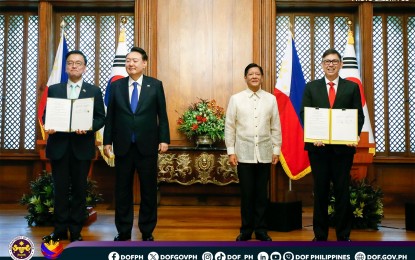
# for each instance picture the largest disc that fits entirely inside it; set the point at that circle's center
(332, 94)
(133, 105)
(134, 98)
(73, 95)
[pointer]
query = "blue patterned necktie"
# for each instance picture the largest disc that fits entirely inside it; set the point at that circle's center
(133, 104)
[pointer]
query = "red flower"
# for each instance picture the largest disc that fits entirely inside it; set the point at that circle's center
(194, 126)
(180, 121)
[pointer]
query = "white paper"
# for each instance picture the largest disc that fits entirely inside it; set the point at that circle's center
(344, 125)
(316, 124)
(58, 114)
(82, 114)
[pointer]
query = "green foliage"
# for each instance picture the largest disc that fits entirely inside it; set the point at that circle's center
(203, 118)
(366, 205)
(40, 201)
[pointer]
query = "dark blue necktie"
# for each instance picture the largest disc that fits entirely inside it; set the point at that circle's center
(133, 105)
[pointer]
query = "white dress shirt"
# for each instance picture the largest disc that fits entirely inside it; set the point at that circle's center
(252, 127)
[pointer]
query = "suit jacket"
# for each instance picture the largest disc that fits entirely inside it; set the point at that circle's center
(347, 96)
(149, 122)
(83, 146)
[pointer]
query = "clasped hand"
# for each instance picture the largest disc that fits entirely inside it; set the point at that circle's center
(52, 131)
(320, 143)
(233, 159)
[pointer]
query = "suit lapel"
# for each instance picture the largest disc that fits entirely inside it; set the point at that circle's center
(145, 87)
(340, 90)
(124, 91)
(63, 91)
(323, 89)
(83, 92)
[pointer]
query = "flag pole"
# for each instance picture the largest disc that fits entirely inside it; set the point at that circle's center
(118, 71)
(350, 71)
(51, 80)
(350, 38)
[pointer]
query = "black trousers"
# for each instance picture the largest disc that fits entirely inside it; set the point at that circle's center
(329, 167)
(253, 181)
(69, 177)
(146, 167)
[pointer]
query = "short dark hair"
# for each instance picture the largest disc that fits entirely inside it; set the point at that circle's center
(331, 51)
(76, 52)
(253, 65)
(141, 51)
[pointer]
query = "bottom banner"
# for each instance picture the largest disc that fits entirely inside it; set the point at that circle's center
(250, 250)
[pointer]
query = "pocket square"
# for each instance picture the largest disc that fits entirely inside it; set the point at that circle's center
(83, 90)
(148, 86)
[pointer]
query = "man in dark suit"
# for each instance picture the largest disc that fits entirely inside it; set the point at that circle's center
(71, 153)
(332, 162)
(138, 127)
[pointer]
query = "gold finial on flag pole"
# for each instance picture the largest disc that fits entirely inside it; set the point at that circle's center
(350, 38)
(122, 33)
(123, 20)
(63, 24)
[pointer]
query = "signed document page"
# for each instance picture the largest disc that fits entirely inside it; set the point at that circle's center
(316, 125)
(58, 114)
(344, 126)
(82, 114)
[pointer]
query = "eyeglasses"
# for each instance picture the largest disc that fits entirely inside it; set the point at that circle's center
(334, 62)
(76, 63)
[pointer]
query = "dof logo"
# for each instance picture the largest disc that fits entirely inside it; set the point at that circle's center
(21, 248)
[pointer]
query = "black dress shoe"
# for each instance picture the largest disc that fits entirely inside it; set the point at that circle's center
(315, 239)
(243, 237)
(76, 237)
(122, 237)
(347, 239)
(262, 236)
(148, 237)
(55, 237)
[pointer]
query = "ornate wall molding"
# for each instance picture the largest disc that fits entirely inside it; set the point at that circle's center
(196, 166)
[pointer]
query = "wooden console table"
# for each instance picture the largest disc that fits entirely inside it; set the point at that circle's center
(190, 165)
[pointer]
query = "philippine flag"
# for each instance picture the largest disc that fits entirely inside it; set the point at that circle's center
(58, 75)
(289, 91)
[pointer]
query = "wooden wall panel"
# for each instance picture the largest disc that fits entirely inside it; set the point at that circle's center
(203, 48)
(397, 182)
(15, 177)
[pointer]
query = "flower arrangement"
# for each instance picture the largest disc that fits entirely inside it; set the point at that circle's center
(366, 204)
(40, 201)
(204, 117)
